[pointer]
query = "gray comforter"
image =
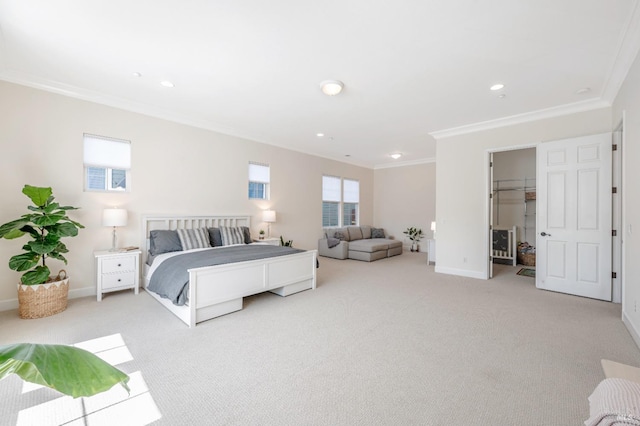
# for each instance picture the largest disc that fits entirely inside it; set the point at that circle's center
(171, 279)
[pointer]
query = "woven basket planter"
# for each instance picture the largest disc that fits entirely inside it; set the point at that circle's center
(527, 259)
(43, 300)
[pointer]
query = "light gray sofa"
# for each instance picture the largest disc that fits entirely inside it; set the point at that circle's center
(356, 243)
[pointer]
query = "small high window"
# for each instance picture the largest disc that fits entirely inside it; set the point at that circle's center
(107, 163)
(259, 177)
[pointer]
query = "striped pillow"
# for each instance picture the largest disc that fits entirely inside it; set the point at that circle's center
(232, 235)
(194, 238)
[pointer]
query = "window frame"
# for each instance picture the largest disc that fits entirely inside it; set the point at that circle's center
(333, 192)
(256, 175)
(115, 160)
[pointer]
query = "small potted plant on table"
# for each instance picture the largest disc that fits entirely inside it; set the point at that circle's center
(39, 294)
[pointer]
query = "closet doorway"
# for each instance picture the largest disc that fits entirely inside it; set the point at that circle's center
(513, 209)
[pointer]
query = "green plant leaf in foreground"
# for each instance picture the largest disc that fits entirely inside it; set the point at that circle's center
(69, 370)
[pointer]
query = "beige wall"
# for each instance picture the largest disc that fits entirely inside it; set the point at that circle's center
(405, 197)
(628, 102)
(175, 169)
(462, 184)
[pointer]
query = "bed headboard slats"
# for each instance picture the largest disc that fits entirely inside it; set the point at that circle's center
(151, 223)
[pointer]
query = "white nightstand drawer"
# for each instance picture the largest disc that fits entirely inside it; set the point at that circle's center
(118, 264)
(125, 279)
(117, 271)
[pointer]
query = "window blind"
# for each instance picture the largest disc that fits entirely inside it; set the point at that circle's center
(100, 151)
(259, 172)
(351, 191)
(330, 188)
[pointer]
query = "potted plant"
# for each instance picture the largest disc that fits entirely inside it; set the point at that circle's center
(415, 235)
(261, 234)
(39, 294)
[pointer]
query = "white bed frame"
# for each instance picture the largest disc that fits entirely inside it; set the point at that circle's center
(218, 290)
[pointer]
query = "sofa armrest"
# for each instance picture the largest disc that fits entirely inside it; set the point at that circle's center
(341, 251)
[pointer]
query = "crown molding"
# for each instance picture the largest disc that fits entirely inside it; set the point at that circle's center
(557, 111)
(626, 55)
(404, 163)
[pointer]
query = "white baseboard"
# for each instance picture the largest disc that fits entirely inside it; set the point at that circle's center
(634, 333)
(9, 304)
(462, 272)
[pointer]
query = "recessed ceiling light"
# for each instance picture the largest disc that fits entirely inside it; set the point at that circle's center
(583, 90)
(320, 135)
(331, 87)
(167, 83)
(497, 86)
(347, 155)
(396, 156)
(137, 74)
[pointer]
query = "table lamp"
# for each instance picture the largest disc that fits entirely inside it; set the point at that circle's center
(114, 217)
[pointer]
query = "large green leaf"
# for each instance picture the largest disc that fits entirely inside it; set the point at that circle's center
(48, 220)
(10, 228)
(65, 229)
(71, 371)
(45, 246)
(38, 195)
(40, 275)
(24, 261)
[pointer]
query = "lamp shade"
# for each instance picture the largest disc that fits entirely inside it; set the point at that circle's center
(114, 217)
(269, 216)
(433, 226)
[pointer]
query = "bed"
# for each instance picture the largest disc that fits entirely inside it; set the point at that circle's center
(218, 290)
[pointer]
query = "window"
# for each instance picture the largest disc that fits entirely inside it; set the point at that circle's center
(259, 177)
(351, 198)
(107, 162)
(340, 195)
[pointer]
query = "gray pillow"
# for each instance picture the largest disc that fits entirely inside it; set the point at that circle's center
(332, 242)
(366, 231)
(377, 233)
(247, 234)
(215, 237)
(162, 241)
(339, 235)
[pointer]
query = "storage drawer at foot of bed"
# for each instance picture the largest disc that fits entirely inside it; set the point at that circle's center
(293, 288)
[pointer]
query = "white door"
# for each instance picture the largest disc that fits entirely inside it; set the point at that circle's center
(573, 245)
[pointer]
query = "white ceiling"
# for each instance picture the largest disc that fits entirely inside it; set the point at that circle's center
(252, 68)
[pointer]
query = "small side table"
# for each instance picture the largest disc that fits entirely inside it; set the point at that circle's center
(117, 270)
(432, 251)
(270, 241)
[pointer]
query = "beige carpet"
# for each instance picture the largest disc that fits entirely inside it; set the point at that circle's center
(382, 343)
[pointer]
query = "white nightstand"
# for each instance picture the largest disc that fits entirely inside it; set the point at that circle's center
(117, 270)
(432, 251)
(270, 241)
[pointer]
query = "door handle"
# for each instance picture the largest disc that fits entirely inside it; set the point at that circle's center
(544, 234)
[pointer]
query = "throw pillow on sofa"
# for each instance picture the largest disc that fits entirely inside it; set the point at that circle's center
(377, 233)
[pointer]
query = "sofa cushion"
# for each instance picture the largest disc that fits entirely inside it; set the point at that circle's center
(366, 231)
(394, 243)
(355, 233)
(377, 233)
(369, 246)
